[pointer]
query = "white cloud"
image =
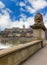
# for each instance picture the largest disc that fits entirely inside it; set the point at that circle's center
(29, 21)
(8, 10)
(22, 4)
(23, 17)
(39, 4)
(31, 10)
(4, 20)
(1, 5)
(45, 24)
(36, 4)
(45, 20)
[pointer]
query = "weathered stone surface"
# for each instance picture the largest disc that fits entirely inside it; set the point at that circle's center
(39, 28)
(40, 58)
(17, 54)
(38, 19)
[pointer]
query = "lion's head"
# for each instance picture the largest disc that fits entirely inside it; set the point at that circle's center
(38, 18)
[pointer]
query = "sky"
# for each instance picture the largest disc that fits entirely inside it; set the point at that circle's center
(16, 13)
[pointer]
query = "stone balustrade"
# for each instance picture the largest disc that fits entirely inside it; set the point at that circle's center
(17, 54)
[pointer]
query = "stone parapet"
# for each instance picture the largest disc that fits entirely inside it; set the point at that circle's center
(17, 54)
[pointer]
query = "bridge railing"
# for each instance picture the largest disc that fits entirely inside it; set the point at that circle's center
(17, 54)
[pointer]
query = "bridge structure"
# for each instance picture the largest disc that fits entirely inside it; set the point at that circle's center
(39, 58)
(15, 55)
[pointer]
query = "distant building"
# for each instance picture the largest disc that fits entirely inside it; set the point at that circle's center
(9, 34)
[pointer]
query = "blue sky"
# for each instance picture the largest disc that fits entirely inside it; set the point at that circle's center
(16, 13)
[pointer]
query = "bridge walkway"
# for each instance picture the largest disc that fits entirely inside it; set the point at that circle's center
(40, 58)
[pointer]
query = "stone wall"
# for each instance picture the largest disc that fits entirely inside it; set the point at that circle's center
(17, 54)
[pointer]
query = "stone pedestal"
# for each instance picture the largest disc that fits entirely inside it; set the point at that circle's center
(39, 33)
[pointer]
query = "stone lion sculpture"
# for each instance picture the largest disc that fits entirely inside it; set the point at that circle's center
(39, 19)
